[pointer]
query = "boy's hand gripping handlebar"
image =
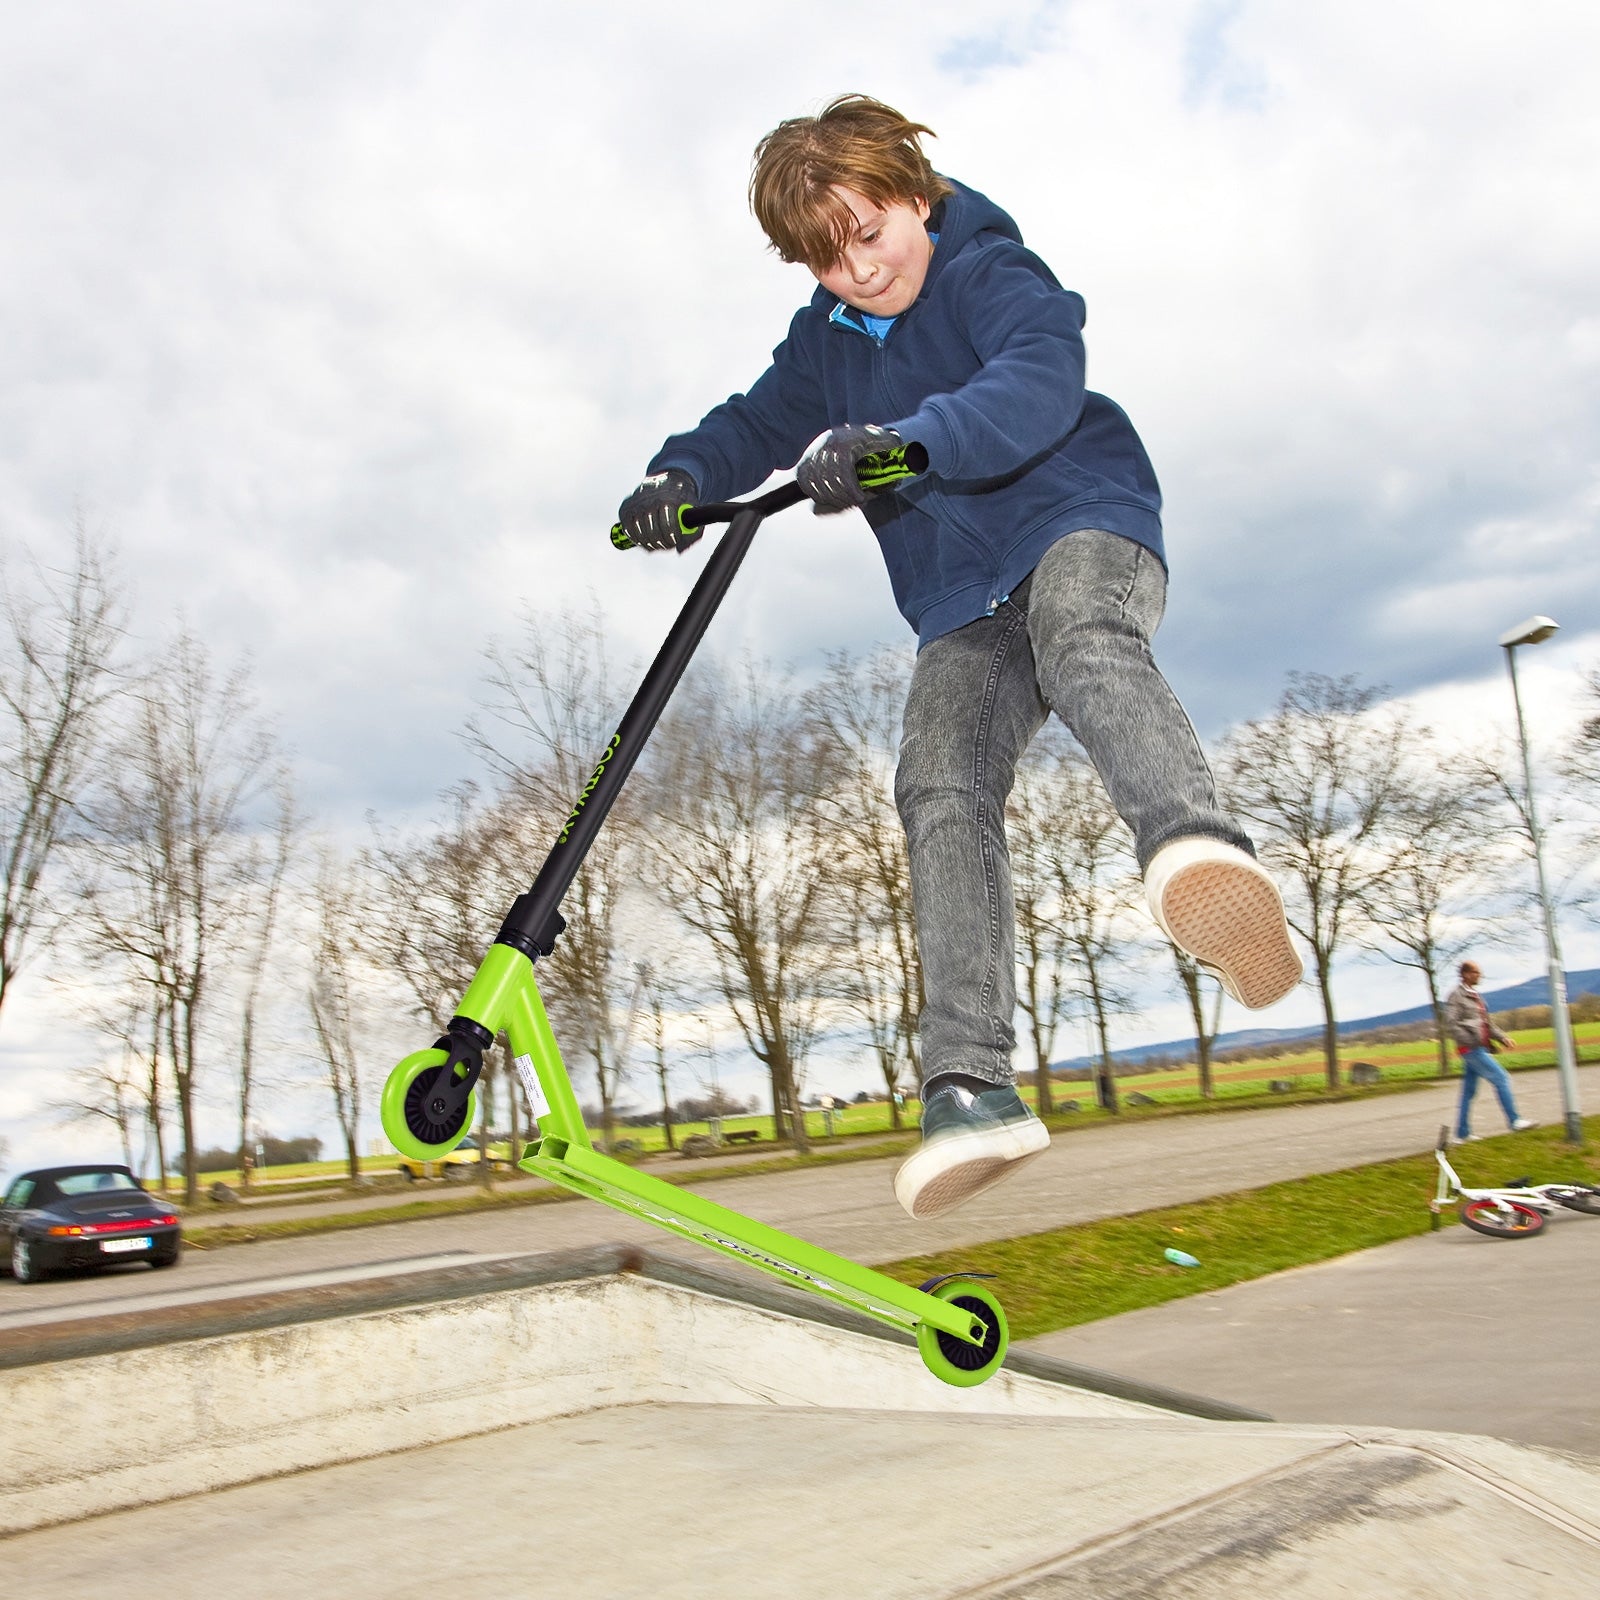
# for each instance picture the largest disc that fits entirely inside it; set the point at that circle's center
(876, 472)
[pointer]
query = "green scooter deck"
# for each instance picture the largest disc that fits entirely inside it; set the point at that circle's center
(601, 1177)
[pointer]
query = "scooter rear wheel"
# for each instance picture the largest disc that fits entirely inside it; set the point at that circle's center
(413, 1125)
(953, 1360)
(1505, 1219)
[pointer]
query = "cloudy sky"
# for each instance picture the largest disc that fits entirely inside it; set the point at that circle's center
(351, 323)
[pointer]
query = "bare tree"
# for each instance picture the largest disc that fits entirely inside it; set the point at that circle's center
(1317, 781)
(551, 702)
(155, 1012)
(854, 715)
(1425, 905)
(1074, 880)
(1566, 834)
(107, 1090)
(1580, 767)
(436, 898)
(435, 904)
(655, 996)
(261, 918)
(1190, 976)
(60, 666)
(333, 995)
(741, 863)
(1583, 756)
(168, 861)
(1044, 995)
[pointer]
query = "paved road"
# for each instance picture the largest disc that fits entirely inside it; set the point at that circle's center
(1445, 1331)
(1104, 1169)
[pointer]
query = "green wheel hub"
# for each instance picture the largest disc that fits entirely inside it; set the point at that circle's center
(410, 1119)
(953, 1360)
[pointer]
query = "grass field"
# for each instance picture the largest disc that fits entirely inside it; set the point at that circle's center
(1236, 1084)
(1080, 1274)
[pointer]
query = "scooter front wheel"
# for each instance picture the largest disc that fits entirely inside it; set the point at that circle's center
(1504, 1219)
(411, 1118)
(953, 1360)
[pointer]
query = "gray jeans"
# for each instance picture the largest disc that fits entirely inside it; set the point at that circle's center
(1073, 639)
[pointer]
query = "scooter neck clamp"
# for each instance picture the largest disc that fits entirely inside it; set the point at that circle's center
(525, 930)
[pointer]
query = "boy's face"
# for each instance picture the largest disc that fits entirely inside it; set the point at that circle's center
(883, 267)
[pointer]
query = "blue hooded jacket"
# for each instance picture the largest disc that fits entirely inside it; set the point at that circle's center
(986, 371)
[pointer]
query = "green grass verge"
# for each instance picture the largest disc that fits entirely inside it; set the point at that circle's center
(1069, 1276)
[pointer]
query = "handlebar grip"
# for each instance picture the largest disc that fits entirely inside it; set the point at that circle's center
(884, 468)
(875, 472)
(688, 533)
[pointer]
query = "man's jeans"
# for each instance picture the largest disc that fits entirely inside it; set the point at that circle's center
(1477, 1064)
(1074, 639)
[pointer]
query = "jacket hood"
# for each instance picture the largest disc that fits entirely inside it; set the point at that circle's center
(957, 219)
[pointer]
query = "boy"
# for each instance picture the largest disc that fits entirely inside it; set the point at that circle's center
(1027, 555)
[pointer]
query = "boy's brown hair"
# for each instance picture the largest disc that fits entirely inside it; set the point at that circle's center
(854, 141)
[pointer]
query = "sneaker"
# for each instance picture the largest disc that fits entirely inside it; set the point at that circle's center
(1215, 902)
(969, 1142)
(1468, 1138)
(1520, 1123)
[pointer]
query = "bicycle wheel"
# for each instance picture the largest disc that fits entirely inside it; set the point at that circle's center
(1502, 1219)
(1580, 1197)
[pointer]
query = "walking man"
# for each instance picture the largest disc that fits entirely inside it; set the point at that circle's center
(1476, 1039)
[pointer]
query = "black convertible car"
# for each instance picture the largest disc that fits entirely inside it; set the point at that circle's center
(83, 1217)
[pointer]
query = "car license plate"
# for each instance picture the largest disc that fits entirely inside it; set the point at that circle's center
(117, 1247)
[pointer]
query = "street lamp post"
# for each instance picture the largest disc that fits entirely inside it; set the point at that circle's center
(1534, 631)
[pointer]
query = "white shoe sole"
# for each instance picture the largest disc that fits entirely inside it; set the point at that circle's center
(1226, 913)
(941, 1175)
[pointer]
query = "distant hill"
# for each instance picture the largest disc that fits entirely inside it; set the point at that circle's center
(1533, 992)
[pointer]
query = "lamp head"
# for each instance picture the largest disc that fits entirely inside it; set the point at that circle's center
(1534, 631)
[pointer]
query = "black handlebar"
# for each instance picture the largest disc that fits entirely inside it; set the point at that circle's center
(779, 499)
(905, 461)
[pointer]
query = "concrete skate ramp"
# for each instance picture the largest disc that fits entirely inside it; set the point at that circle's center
(625, 1424)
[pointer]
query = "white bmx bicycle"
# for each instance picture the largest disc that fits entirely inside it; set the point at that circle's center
(1515, 1210)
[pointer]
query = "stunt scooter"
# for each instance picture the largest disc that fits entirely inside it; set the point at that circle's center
(429, 1101)
(1515, 1210)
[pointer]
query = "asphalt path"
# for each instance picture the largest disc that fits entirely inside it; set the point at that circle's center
(1103, 1169)
(1445, 1331)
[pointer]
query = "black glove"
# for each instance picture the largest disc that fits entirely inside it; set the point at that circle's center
(650, 516)
(831, 472)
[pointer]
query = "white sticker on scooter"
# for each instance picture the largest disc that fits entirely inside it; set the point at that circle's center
(530, 1081)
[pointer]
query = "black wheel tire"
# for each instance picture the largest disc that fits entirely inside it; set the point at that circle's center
(25, 1266)
(167, 1258)
(1584, 1200)
(408, 1174)
(952, 1360)
(1509, 1219)
(968, 1357)
(434, 1136)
